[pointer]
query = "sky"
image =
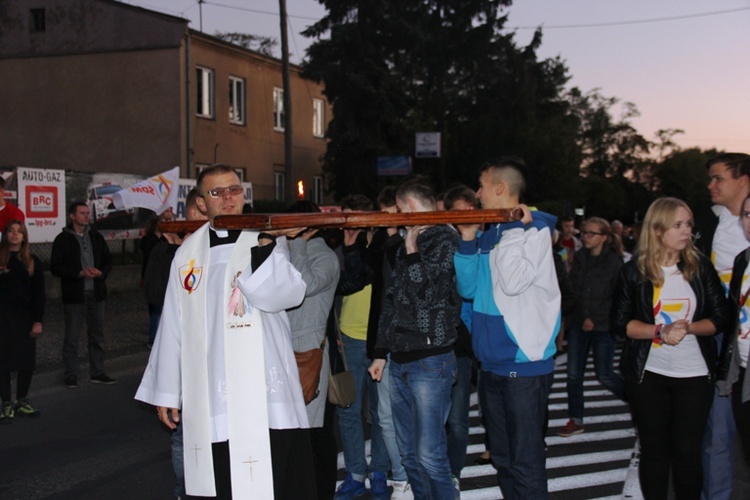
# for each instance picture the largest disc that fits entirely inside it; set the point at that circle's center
(684, 64)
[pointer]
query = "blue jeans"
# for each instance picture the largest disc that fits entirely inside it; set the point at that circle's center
(579, 344)
(178, 461)
(420, 395)
(514, 411)
(91, 314)
(718, 446)
(458, 417)
(154, 318)
(351, 426)
(387, 426)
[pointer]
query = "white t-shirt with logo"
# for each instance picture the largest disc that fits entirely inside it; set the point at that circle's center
(675, 300)
(729, 240)
(743, 334)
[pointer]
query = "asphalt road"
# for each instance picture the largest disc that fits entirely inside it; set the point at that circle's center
(91, 443)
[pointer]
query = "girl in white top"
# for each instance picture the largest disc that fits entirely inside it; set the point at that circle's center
(668, 303)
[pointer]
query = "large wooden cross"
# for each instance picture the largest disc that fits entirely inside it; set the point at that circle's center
(325, 220)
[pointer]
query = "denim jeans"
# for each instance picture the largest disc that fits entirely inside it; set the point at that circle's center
(91, 314)
(178, 461)
(458, 417)
(579, 344)
(514, 413)
(420, 395)
(388, 427)
(351, 426)
(154, 318)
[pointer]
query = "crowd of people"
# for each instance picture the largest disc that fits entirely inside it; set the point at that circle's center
(417, 313)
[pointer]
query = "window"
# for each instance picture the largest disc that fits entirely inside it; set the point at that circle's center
(317, 190)
(319, 118)
(38, 21)
(236, 100)
(278, 182)
(205, 86)
(278, 109)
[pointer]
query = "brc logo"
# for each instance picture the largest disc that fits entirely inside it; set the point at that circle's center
(41, 201)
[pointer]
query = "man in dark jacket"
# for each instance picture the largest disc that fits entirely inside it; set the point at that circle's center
(81, 259)
(420, 313)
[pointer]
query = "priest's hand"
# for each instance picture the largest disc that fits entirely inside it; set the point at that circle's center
(168, 416)
(376, 369)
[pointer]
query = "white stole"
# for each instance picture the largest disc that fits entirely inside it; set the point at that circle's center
(247, 407)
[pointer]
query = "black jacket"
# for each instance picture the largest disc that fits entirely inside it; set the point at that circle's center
(66, 264)
(735, 291)
(421, 307)
(633, 299)
(593, 278)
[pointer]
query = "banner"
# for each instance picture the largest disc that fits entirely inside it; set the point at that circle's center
(157, 193)
(41, 197)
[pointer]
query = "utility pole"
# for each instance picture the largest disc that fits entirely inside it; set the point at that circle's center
(288, 178)
(200, 13)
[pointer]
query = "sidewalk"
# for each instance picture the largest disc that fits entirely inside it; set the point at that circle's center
(126, 334)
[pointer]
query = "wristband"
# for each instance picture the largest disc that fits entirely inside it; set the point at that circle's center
(657, 333)
(266, 236)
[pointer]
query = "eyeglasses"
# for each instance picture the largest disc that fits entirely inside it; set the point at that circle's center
(591, 233)
(219, 192)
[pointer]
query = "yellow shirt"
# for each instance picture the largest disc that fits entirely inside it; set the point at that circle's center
(355, 314)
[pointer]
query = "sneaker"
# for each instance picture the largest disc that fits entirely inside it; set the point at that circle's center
(103, 379)
(456, 488)
(401, 491)
(570, 429)
(350, 488)
(379, 486)
(6, 416)
(71, 382)
(23, 407)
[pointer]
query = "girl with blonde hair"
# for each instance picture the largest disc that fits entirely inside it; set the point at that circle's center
(668, 304)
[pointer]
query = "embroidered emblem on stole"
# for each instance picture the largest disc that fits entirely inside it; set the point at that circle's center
(191, 276)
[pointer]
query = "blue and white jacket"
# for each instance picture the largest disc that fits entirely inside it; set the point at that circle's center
(509, 273)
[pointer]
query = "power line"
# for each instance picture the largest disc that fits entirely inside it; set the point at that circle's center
(638, 21)
(258, 11)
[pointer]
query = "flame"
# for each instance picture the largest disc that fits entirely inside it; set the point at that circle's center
(300, 190)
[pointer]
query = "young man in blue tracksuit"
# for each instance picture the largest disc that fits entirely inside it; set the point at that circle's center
(509, 273)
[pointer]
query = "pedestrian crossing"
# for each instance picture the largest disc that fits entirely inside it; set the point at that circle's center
(594, 464)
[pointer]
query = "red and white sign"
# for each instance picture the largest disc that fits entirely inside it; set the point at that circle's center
(41, 197)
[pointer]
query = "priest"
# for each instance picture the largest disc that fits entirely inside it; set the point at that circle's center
(223, 355)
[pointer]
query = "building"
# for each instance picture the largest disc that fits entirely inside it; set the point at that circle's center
(103, 86)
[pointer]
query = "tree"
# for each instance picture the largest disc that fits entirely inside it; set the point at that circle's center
(683, 174)
(263, 44)
(611, 147)
(393, 67)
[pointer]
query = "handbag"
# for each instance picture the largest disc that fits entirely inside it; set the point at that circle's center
(309, 364)
(341, 385)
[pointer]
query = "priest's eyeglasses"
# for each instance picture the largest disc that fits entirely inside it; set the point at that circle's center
(219, 192)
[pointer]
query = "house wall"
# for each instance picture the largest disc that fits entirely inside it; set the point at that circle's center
(255, 146)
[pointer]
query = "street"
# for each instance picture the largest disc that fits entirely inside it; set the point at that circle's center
(96, 442)
(92, 443)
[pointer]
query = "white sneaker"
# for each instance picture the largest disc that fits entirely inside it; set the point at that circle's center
(401, 491)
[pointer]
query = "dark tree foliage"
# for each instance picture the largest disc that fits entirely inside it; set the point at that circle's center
(395, 67)
(683, 174)
(263, 44)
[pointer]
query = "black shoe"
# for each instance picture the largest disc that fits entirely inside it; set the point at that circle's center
(480, 460)
(103, 378)
(71, 382)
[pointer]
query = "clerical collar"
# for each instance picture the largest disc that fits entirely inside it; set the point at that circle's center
(222, 237)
